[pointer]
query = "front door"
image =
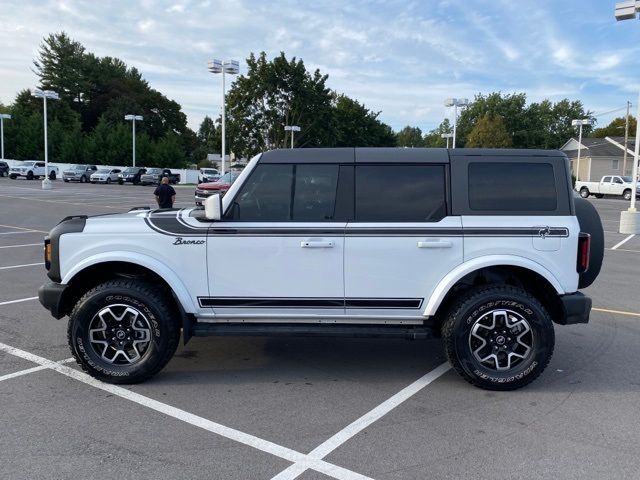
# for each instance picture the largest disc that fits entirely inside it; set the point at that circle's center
(402, 242)
(279, 251)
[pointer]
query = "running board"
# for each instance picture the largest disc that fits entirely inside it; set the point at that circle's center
(311, 330)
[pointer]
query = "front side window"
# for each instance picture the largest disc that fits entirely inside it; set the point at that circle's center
(287, 193)
(400, 193)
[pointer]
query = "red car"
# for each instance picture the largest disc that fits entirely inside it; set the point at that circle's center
(205, 190)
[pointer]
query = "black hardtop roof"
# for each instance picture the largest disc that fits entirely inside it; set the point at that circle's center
(393, 155)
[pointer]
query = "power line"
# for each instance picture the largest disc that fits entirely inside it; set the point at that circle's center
(610, 111)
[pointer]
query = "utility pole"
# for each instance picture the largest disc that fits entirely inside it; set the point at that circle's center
(626, 139)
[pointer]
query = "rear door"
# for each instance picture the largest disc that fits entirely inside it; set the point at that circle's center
(401, 242)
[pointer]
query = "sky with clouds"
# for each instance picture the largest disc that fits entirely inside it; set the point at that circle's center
(402, 58)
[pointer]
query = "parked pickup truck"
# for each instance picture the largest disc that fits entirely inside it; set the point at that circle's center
(311, 241)
(154, 175)
(615, 185)
(31, 169)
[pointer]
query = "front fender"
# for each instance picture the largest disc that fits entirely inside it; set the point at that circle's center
(474, 264)
(178, 287)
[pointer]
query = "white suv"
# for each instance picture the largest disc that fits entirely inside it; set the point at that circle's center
(208, 175)
(384, 242)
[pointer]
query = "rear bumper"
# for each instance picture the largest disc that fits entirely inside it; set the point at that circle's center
(51, 297)
(576, 308)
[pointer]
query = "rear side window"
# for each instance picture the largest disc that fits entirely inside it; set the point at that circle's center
(514, 187)
(400, 193)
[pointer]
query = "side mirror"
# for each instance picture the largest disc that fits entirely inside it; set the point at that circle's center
(213, 207)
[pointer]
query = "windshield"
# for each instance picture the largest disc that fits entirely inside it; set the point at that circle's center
(208, 171)
(103, 170)
(154, 171)
(27, 164)
(627, 179)
(228, 177)
(131, 170)
(78, 167)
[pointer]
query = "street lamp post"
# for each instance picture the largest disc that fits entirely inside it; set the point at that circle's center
(3, 117)
(133, 119)
(44, 94)
(447, 136)
(456, 102)
(579, 123)
(232, 67)
(630, 219)
(292, 129)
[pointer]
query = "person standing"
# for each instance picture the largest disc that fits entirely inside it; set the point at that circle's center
(165, 194)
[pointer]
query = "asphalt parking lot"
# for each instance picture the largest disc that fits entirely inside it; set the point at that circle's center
(260, 408)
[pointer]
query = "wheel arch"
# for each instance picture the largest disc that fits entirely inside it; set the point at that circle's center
(96, 269)
(508, 270)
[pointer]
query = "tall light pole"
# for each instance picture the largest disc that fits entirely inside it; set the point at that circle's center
(630, 219)
(3, 117)
(447, 136)
(456, 102)
(231, 67)
(44, 94)
(133, 119)
(579, 123)
(292, 129)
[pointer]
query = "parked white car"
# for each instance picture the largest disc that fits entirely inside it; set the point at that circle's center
(105, 175)
(31, 169)
(615, 185)
(208, 175)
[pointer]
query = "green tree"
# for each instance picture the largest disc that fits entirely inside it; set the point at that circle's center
(434, 137)
(410, 137)
(168, 151)
(616, 128)
(357, 126)
(489, 132)
(273, 94)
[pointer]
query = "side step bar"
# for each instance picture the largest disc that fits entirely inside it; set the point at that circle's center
(308, 330)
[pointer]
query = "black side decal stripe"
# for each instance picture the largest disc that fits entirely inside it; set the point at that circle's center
(270, 302)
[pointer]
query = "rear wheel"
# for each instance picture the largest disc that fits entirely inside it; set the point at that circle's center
(584, 192)
(124, 331)
(499, 337)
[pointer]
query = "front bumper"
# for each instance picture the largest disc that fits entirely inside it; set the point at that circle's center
(576, 308)
(51, 296)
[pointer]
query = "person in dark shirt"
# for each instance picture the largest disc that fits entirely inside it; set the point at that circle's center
(165, 194)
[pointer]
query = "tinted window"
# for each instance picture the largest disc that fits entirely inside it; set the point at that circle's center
(606, 179)
(512, 187)
(400, 193)
(283, 193)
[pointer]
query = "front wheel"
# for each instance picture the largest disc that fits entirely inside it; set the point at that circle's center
(120, 182)
(52, 175)
(498, 338)
(108, 181)
(584, 192)
(12, 177)
(124, 331)
(83, 179)
(29, 175)
(627, 195)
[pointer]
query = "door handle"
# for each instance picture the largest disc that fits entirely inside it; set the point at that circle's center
(435, 244)
(316, 244)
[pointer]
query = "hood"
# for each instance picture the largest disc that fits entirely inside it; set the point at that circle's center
(214, 186)
(168, 222)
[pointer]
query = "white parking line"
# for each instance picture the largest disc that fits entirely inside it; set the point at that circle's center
(236, 435)
(24, 245)
(18, 301)
(363, 422)
(20, 266)
(23, 229)
(20, 233)
(32, 370)
(623, 241)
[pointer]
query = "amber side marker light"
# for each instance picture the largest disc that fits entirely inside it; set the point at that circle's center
(47, 253)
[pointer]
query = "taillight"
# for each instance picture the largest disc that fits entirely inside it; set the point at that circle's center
(584, 246)
(47, 253)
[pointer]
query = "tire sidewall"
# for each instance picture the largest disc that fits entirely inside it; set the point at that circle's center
(525, 371)
(584, 193)
(82, 317)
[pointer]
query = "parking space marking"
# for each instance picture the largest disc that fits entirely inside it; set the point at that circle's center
(18, 301)
(32, 370)
(616, 312)
(22, 228)
(615, 247)
(20, 266)
(24, 232)
(23, 245)
(363, 422)
(53, 201)
(232, 434)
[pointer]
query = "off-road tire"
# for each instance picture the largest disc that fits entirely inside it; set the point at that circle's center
(584, 192)
(151, 302)
(475, 305)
